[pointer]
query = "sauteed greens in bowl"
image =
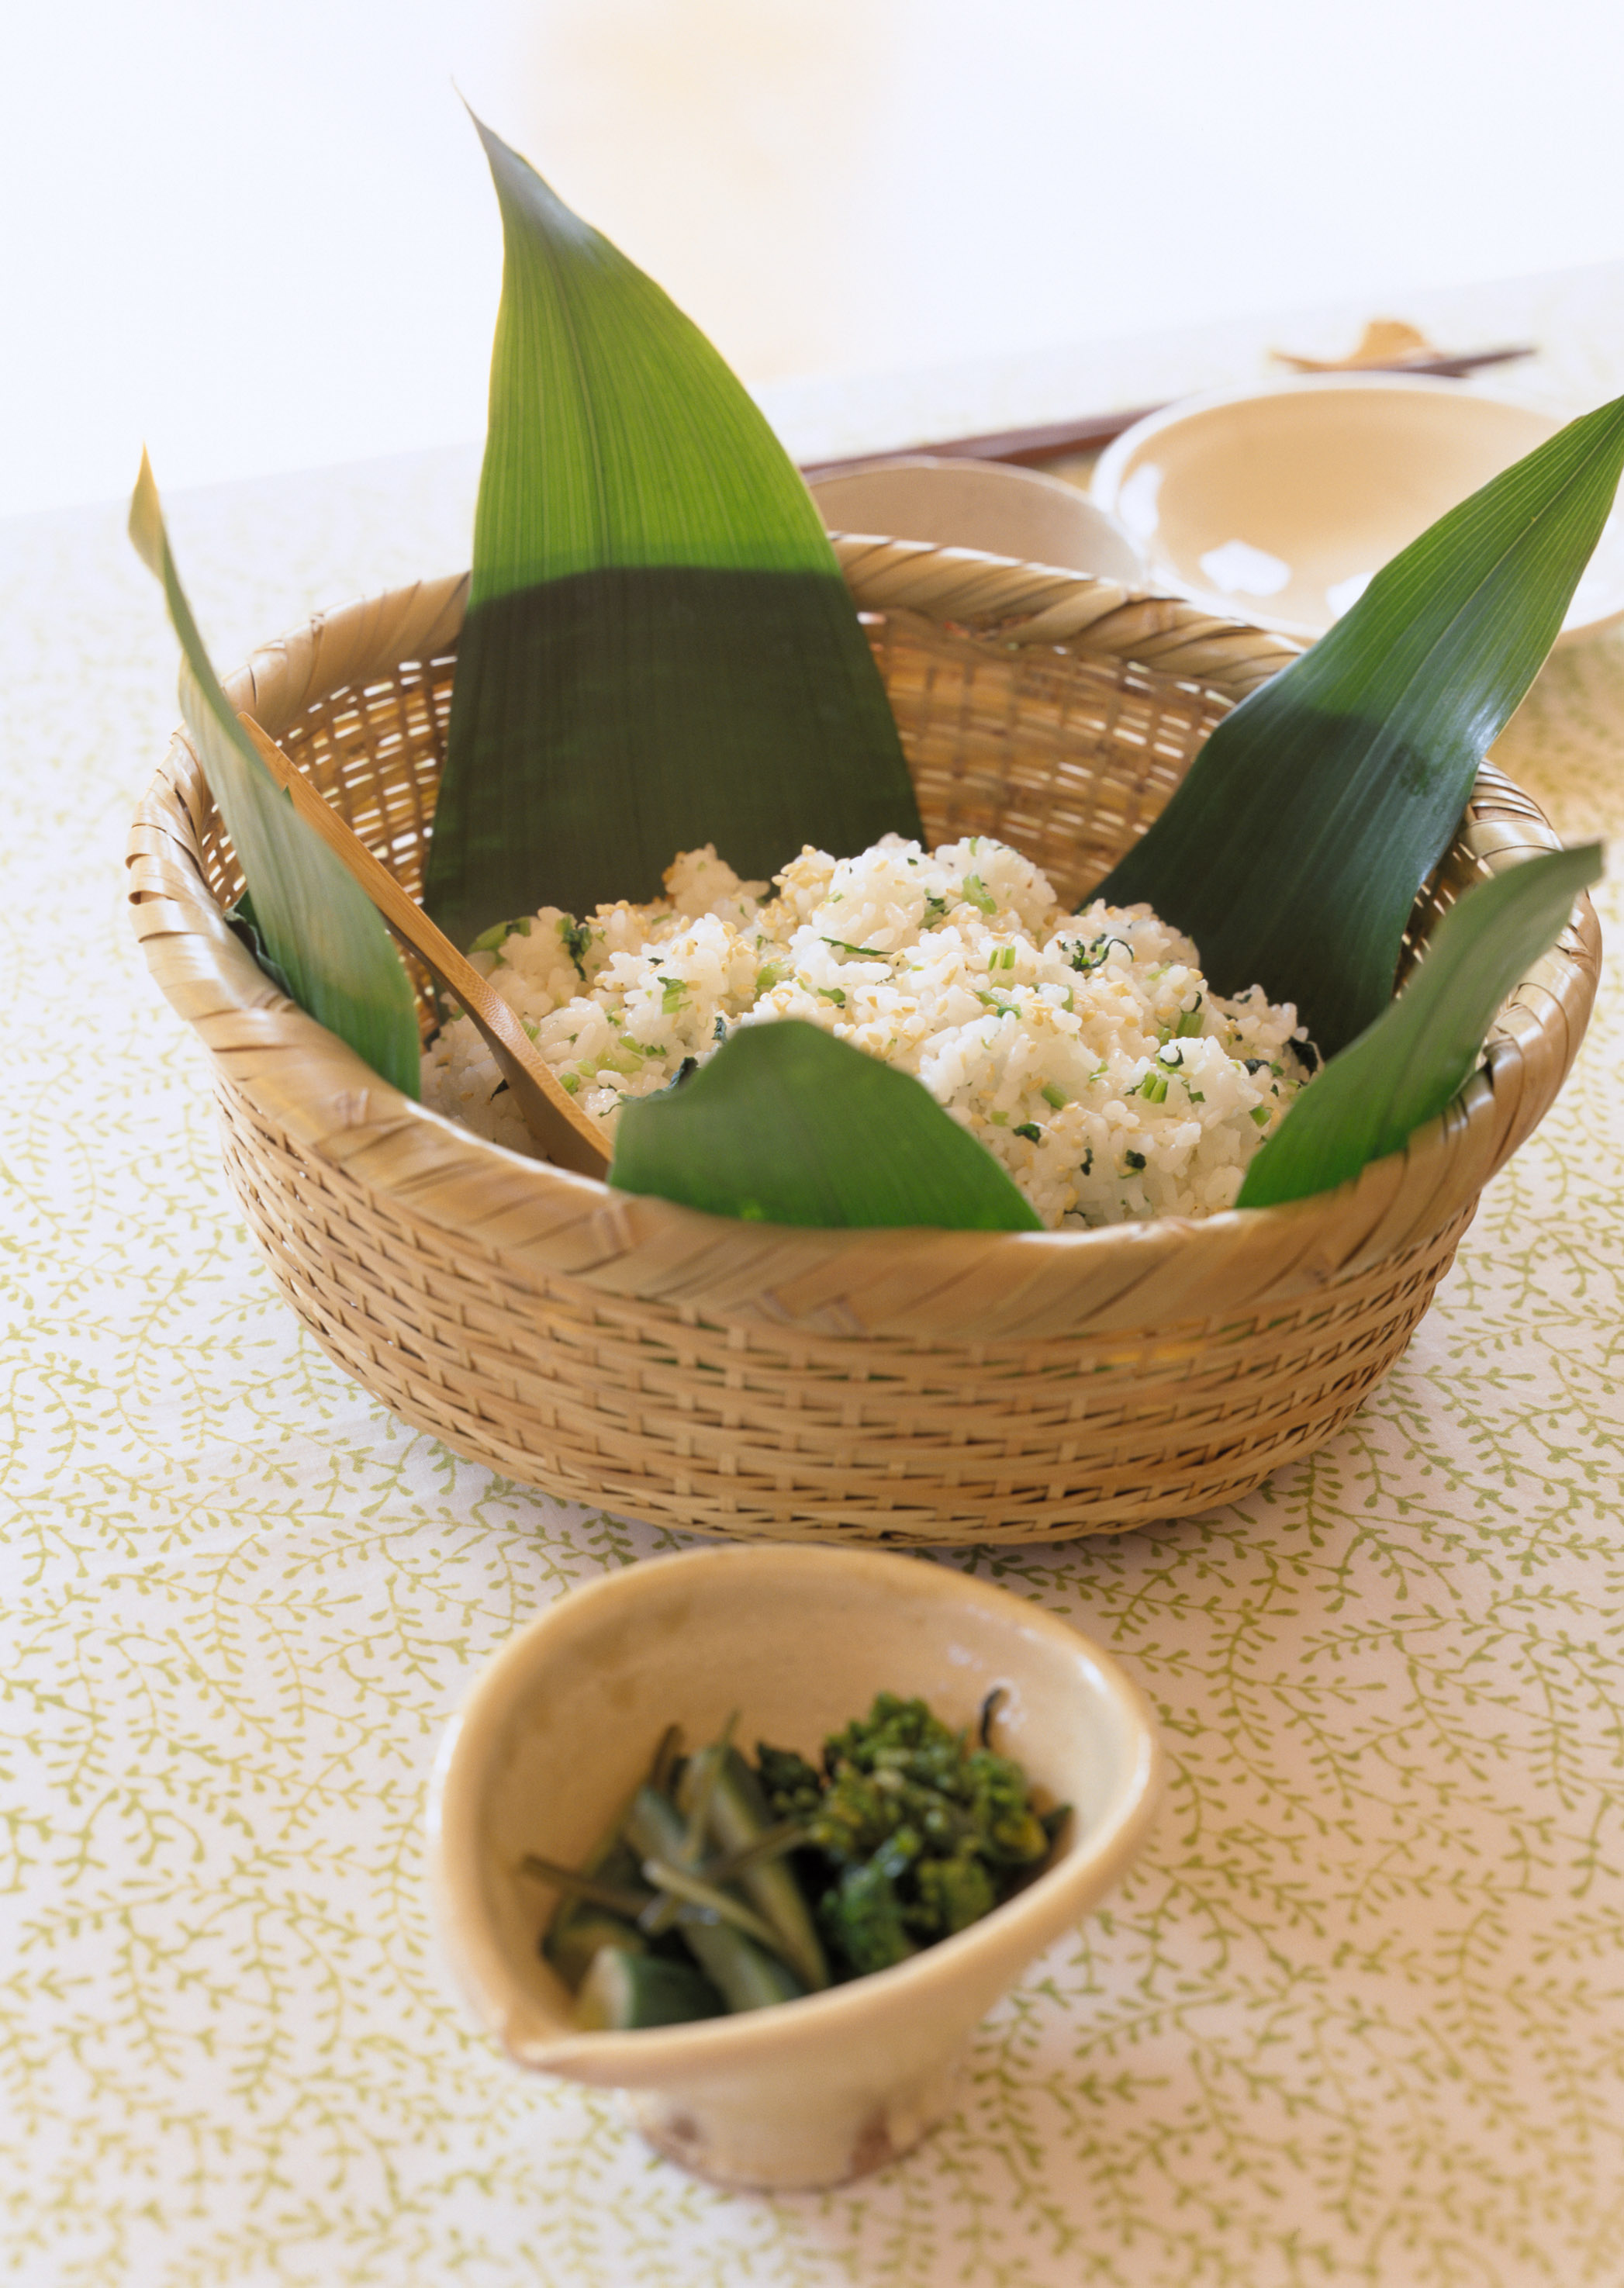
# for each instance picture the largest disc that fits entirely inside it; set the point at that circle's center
(724, 1885)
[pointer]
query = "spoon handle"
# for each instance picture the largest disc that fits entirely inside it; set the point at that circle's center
(566, 1134)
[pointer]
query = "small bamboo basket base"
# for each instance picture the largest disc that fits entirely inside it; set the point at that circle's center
(913, 1387)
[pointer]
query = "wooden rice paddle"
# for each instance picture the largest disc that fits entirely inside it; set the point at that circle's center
(566, 1134)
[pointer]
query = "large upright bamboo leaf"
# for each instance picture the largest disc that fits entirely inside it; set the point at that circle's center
(659, 651)
(1294, 849)
(786, 1125)
(319, 927)
(1406, 1068)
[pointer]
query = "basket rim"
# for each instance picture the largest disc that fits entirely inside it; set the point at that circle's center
(537, 1221)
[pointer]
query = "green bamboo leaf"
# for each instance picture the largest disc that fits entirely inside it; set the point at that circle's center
(317, 926)
(1294, 849)
(786, 1125)
(1406, 1068)
(659, 651)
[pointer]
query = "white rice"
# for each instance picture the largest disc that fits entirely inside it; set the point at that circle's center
(1084, 1050)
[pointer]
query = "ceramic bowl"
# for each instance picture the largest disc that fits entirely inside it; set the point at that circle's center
(984, 505)
(1276, 504)
(559, 1725)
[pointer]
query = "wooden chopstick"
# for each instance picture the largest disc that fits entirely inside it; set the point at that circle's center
(1089, 432)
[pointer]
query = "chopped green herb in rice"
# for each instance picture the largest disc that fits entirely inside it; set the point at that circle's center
(1049, 1035)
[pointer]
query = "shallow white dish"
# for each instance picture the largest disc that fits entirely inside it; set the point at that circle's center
(559, 1726)
(987, 504)
(1276, 504)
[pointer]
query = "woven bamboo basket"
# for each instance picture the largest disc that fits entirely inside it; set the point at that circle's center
(910, 1386)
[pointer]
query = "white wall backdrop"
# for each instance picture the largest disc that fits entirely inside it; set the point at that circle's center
(257, 232)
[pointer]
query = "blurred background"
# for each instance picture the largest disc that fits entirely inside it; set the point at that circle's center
(258, 233)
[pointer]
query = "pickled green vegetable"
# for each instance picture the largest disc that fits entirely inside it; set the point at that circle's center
(622, 1990)
(724, 1886)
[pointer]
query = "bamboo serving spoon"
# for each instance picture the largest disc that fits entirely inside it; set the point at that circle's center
(567, 1135)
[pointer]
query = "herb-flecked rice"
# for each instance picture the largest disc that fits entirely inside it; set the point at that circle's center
(1084, 1050)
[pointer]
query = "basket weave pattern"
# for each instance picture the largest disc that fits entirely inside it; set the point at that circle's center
(911, 1387)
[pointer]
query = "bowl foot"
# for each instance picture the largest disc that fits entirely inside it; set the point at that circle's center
(820, 2138)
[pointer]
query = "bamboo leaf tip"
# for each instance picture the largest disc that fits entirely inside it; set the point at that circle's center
(146, 521)
(518, 180)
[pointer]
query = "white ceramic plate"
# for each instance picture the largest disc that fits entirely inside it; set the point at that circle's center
(1277, 504)
(985, 504)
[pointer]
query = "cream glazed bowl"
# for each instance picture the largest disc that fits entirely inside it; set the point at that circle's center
(1277, 504)
(986, 505)
(561, 1723)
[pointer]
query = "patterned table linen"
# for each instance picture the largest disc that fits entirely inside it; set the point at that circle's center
(1359, 2017)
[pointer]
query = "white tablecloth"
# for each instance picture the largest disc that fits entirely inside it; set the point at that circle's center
(1357, 2017)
